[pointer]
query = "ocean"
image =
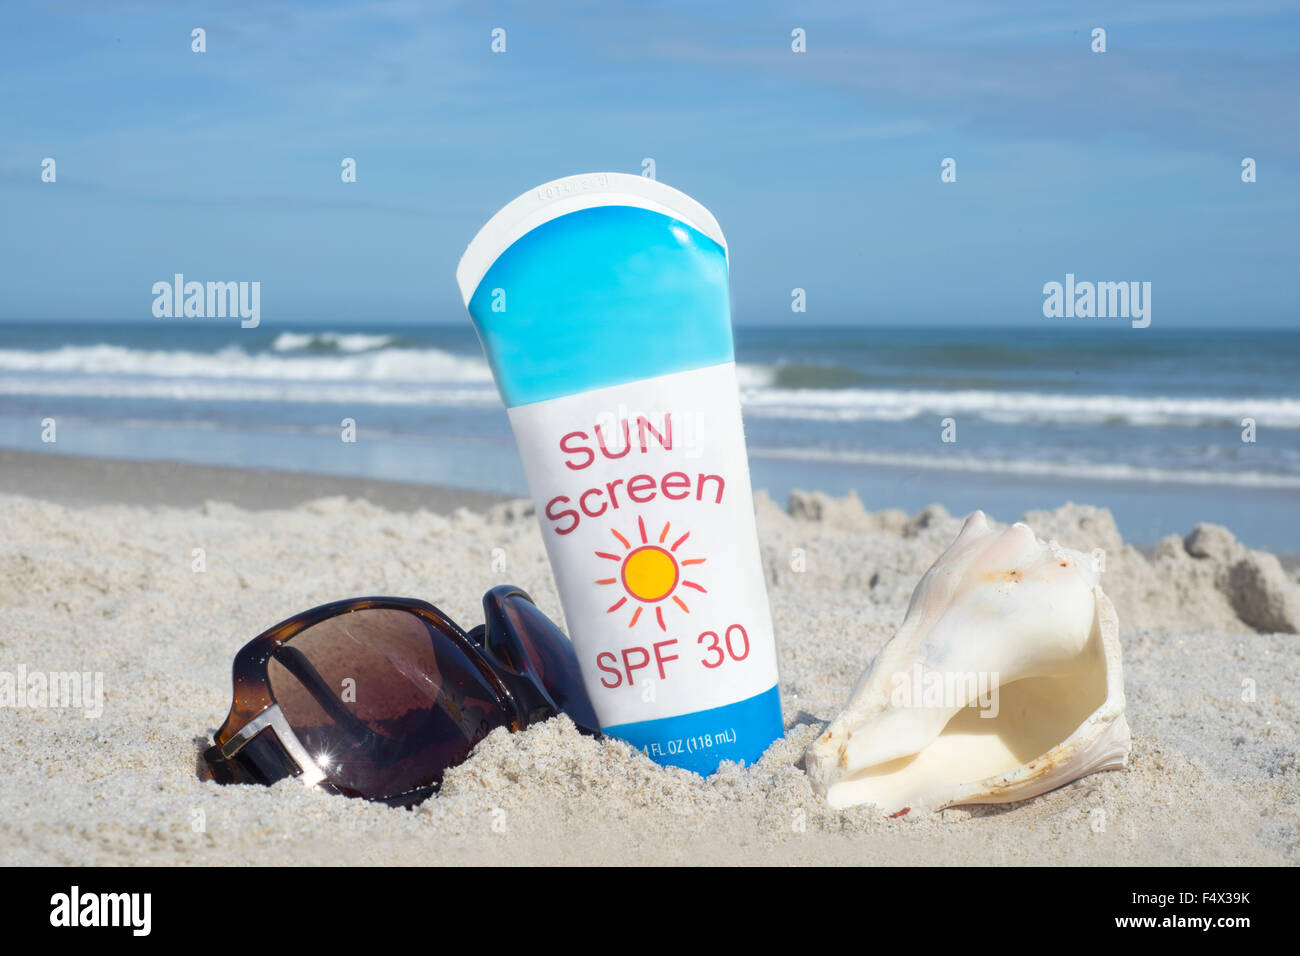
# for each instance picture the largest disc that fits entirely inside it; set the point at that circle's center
(1149, 423)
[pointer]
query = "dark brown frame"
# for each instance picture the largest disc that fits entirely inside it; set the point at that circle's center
(263, 758)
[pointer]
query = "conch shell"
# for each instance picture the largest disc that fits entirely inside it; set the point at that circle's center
(1003, 682)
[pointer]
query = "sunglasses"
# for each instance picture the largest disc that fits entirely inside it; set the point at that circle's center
(376, 697)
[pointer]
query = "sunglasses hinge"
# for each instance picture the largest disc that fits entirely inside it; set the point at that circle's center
(311, 774)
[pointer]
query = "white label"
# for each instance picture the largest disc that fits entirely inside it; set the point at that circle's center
(645, 504)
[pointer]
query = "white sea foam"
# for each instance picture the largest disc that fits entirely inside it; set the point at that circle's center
(375, 372)
(212, 390)
(855, 404)
(1036, 468)
(338, 341)
(382, 365)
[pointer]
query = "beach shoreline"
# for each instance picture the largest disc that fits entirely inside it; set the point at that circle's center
(84, 480)
(98, 574)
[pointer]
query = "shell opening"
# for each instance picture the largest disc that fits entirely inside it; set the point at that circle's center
(1035, 717)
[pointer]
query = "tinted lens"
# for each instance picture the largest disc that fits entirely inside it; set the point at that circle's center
(526, 639)
(383, 700)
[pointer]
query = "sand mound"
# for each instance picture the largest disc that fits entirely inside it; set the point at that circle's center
(1207, 580)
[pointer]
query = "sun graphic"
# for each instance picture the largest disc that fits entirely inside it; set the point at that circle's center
(650, 573)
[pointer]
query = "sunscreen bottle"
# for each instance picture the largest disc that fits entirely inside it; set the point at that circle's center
(601, 302)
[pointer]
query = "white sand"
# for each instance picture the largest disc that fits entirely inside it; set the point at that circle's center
(1213, 777)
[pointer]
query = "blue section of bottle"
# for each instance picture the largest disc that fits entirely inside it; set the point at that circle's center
(700, 741)
(602, 296)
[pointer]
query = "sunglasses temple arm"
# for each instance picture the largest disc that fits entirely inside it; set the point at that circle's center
(296, 663)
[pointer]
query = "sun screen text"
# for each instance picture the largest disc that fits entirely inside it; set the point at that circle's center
(617, 440)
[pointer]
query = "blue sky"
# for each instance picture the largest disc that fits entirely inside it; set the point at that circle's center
(823, 168)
